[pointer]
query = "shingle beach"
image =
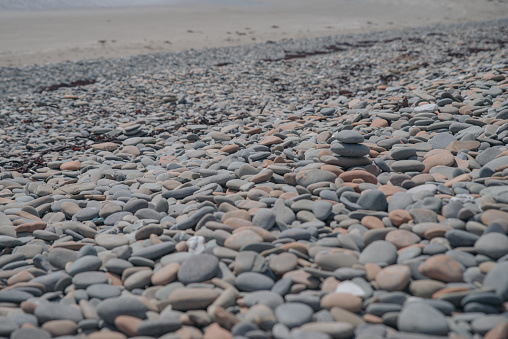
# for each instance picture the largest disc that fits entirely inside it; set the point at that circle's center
(338, 187)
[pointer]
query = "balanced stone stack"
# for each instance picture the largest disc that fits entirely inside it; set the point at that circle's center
(350, 150)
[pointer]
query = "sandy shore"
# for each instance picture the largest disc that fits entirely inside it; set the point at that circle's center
(39, 37)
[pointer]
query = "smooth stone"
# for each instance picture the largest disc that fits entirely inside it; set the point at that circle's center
(155, 251)
(393, 278)
(494, 245)
(111, 308)
(268, 298)
(483, 324)
(336, 330)
(28, 333)
(110, 241)
(442, 267)
(322, 209)
(48, 311)
(140, 279)
(84, 264)
(157, 328)
(103, 291)
(306, 178)
(134, 205)
(497, 278)
(349, 137)
(84, 279)
(349, 150)
(407, 166)
(293, 314)
(14, 296)
(59, 257)
(332, 261)
(117, 265)
(379, 252)
(403, 153)
(373, 200)
(264, 218)
(184, 299)
(198, 268)
(252, 281)
(283, 263)
(415, 317)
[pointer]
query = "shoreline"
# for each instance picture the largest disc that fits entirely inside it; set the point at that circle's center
(43, 37)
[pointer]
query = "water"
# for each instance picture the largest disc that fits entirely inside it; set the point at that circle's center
(81, 4)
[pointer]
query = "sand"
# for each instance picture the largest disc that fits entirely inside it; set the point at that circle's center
(41, 37)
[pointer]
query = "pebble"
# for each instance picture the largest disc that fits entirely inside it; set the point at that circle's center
(415, 317)
(163, 205)
(198, 268)
(293, 314)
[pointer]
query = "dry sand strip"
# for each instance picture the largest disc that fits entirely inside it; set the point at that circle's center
(39, 37)
(325, 188)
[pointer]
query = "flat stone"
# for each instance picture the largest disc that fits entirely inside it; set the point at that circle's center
(346, 301)
(407, 166)
(393, 278)
(415, 317)
(443, 268)
(110, 241)
(494, 245)
(293, 314)
(379, 252)
(306, 178)
(497, 278)
(47, 311)
(283, 263)
(373, 200)
(264, 218)
(337, 330)
(349, 137)
(84, 264)
(111, 308)
(103, 291)
(198, 268)
(184, 299)
(349, 149)
(155, 251)
(252, 281)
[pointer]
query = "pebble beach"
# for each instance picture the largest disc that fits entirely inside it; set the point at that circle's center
(337, 187)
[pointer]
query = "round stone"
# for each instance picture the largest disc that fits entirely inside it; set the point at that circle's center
(441, 267)
(415, 317)
(264, 218)
(293, 314)
(84, 279)
(346, 301)
(198, 268)
(373, 200)
(493, 245)
(393, 278)
(379, 252)
(402, 238)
